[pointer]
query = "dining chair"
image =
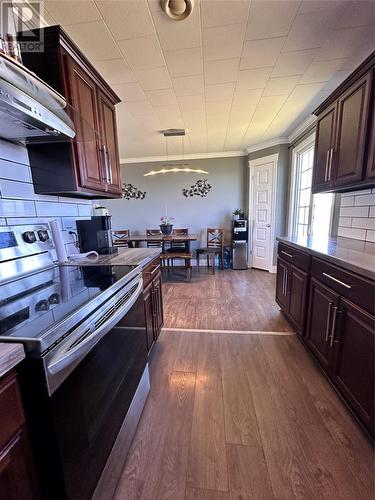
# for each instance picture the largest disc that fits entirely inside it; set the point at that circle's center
(157, 243)
(119, 237)
(215, 246)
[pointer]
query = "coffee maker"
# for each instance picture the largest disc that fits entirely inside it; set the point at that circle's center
(96, 234)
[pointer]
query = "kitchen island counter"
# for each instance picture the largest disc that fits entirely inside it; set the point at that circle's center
(10, 356)
(124, 257)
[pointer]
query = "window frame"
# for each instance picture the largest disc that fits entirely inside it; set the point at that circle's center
(296, 152)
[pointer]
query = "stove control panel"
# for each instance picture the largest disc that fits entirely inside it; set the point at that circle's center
(29, 237)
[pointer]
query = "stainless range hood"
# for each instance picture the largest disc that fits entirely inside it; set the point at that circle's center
(30, 111)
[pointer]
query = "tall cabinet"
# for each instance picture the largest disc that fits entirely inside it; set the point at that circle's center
(89, 164)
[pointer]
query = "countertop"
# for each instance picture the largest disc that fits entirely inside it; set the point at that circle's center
(124, 257)
(354, 255)
(10, 356)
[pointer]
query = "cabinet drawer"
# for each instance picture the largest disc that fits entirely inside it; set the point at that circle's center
(296, 257)
(151, 271)
(11, 412)
(359, 290)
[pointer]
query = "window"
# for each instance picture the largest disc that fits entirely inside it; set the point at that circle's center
(308, 214)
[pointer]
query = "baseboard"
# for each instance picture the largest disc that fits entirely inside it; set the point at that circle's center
(273, 269)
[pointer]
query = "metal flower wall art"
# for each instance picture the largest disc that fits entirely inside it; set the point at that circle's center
(200, 188)
(130, 192)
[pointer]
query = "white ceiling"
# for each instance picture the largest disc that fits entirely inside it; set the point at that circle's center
(236, 73)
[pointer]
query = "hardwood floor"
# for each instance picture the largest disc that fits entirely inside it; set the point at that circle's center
(234, 417)
(228, 300)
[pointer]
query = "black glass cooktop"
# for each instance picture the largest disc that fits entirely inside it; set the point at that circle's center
(31, 305)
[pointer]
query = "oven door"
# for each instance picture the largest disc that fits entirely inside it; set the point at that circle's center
(89, 405)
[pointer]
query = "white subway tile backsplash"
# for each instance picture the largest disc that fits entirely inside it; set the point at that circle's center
(13, 152)
(24, 221)
(22, 190)
(84, 210)
(50, 209)
(71, 222)
(354, 211)
(366, 199)
(348, 232)
(3, 222)
(357, 215)
(363, 223)
(81, 201)
(17, 208)
(11, 170)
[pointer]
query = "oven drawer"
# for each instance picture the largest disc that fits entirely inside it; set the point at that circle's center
(296, 257)
(357, 289)
(11, 412)
(151, 271)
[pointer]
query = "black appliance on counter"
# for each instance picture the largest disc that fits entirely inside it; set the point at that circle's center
(240, 237)
(85, 378)
(96, 234)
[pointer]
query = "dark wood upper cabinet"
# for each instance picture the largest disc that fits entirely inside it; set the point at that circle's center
(353, 370)
(370, 167)
(344, 134)
(88, 165)
(324, 143)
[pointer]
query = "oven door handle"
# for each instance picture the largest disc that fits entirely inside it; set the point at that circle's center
(63, 360)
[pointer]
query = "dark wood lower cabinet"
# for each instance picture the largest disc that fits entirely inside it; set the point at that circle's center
(322, 314)
(153, 301)
(282, 296)
(17, 475)
(353, 362)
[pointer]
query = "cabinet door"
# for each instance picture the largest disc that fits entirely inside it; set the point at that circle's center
(282, 296)
(322, 313)
(149, 315)
(324, 141)
(354, 360)
(347, 162)
(370, 167)
(17, 480)
(157, 305)
(86, 145)
(108, 135)
(298, 293)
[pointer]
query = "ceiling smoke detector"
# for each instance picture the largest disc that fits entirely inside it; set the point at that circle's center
(178, 10)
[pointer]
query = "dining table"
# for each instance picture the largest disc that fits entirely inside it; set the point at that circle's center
(135, 240)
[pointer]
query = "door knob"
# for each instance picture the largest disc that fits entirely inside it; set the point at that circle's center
(268, 225)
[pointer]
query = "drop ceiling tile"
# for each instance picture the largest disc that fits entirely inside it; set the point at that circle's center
(308, 31)
(268, 108)
(150, 123)
(154, 5)
(130, 92)
(178, 35)
(162, 97)
(153, 79)
(223, 42)
(143, 52)
(115, 71)
(139, 108)
(240, 114)
(247, 98)
(126, 19)
(219, 13)
(191, 103)
(281, 86)
(270, 19)
(322, 71)
(305, 92)
(184, 62)
(188, 85)
(249, 79)
(86, 36)
(261, 53)
(355, 13)
(72, 12)
(220, 92)
(293, 63)
(346, 42)
(221, 71)
(309, 6)
(218, 107)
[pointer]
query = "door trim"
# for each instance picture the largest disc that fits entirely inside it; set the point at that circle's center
(252, 164)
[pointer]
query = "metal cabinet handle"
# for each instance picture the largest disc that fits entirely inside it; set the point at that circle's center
(333, 326)
(336, 280)
(287, 254)
(105, 151)
(330, 164)
(328, 320)
(110, 178)
(284, 281)
(154, 270)
(326, 166)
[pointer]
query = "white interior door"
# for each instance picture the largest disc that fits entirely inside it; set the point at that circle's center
(262, 194)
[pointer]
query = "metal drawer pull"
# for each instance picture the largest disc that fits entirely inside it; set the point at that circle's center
(287, 254)
(154, 270)
(336, 280)
(330, 163)
(284, 293)
(333, 326)
(328, 320)
(326, 166)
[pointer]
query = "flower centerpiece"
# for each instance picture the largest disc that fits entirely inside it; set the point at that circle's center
(166, 225)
